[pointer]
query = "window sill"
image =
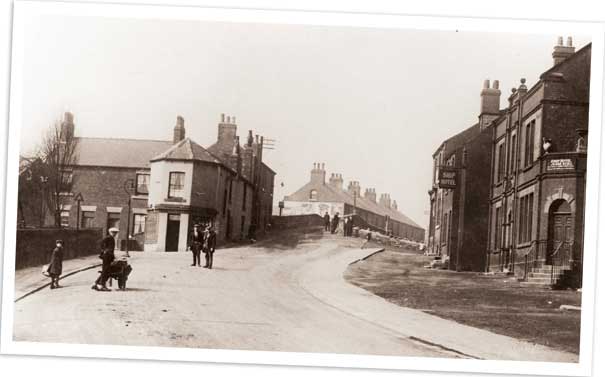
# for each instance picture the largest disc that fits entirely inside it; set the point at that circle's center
(175, 200)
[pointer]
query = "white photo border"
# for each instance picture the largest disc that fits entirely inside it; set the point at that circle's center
(23, 10)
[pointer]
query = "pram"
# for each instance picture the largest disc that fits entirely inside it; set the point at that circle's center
(119, 270)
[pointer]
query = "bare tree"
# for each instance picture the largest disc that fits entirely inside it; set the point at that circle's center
(58, 152)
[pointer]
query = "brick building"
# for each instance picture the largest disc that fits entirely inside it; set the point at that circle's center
(538, 173)
(381, 214)
(169, 185)
(459, 204)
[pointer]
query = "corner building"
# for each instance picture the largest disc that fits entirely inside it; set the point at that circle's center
(538, 174)
(170, 185)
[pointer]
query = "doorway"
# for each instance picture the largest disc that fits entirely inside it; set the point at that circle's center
(172, 232)
(113, 221)
(560, 231)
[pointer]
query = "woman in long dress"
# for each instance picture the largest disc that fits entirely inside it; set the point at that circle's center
(55, 268)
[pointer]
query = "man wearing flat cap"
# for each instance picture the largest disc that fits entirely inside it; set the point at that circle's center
(196, 240)
(108, 244)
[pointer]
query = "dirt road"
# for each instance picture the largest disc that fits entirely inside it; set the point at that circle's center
(290, 297)
(254, 299)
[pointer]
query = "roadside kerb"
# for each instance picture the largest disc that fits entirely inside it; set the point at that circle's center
(73, 272)
(324, 279)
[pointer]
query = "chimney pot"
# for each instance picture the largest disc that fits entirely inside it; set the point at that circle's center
(223, 118)
(486, 84)
(233, 119)
(560, 41)
(496, 84)
(569, 42)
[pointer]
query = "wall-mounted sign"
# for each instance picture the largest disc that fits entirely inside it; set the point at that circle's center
(448, 177)
(560, 164)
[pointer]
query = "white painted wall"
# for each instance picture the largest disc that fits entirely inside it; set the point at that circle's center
(292, 208)
(160, 178)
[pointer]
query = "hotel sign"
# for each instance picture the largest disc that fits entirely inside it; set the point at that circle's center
(560, 164)
(448, 177)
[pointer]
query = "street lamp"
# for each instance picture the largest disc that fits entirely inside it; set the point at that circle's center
(43, 182)
(128, 186)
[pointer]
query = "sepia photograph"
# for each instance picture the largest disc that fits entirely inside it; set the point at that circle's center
(362, 191)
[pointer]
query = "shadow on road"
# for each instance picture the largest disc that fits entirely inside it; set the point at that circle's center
(287, 239)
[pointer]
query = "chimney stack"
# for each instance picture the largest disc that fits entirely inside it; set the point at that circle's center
(370, 194)
(354, 188)
(179, 130)
(318, 174)
(385, 200)
(490, 103)
(227, 130)
(336, 181)
(560, 52)
(67, 126)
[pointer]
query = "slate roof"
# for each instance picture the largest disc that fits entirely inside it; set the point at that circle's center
(187, 150)
(123, 153)
(327, 193)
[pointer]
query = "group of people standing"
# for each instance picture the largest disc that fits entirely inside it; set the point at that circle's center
(331, 225)
(202, 241)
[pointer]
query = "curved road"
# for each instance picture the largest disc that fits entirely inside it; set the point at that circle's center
(256, 298)
(253, 299)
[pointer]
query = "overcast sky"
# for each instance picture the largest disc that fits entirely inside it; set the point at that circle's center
(372, 104)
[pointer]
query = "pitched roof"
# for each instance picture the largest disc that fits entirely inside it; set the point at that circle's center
(123, 153)
(327, 193)
(458, 140)
(188, 150)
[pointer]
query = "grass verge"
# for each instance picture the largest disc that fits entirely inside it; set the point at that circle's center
(495, 303)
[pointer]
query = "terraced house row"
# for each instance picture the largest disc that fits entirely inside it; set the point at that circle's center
(508, 193)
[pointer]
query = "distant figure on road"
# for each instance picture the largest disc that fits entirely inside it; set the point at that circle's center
(209, 245)
(196, 240)
(55, 267)
(368, 238)
(327, 222)
(108, 244)
(345, 227)
(335, 222)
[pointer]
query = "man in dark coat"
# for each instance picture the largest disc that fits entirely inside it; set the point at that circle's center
(209, 245)
(327, 222)
(335, 222)
(55, 267)
(196, 240)
(108, 244)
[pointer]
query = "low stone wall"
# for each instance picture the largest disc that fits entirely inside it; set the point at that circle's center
(34, 246)
(298, 221)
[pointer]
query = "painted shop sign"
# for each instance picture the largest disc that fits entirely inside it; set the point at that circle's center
(560, 164)
(447, 178)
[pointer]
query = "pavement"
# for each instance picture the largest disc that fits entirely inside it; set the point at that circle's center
(255, 298)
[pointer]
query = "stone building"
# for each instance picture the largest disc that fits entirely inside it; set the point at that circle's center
(169, 186)
(459, 203)
(538, 173)
(368, 211)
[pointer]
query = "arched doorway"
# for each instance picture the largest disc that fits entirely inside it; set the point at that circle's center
(560, 232)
